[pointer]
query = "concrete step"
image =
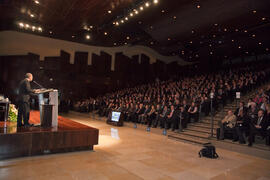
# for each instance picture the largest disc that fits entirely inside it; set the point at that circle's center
(209, 122)
(196, 134)
(187, 138)
(199, 129)
(202, 125)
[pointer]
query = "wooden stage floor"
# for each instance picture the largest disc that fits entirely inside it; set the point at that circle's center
(68, 136)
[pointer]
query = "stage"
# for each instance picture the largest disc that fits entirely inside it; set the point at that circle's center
(68, 136)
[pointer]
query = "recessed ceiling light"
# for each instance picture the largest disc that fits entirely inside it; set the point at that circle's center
(128, 37)
(236, 30)
(91, 27)
(163, 11)
(246, 52)
(169, 39)
(114, 44)
(192, 31)
(140, 22)
(117, 23)
(260, 43)
(27, 26)
(32, 15)
(155, 1)
(87, 37)
(151, 42)
(196, 55)
(73, 36)
(239, 47)
(141, 8)
(232, 40)
(50, 32)
(216, 24)
(136, 12)
(253, 35)
(245, 31)
(147, 4)
(210, 45)
(263, 18)
(21, 24)
(254, 11)
(37, 2)
(198, 6)
(174, 17)
(109, 11)
(225, 29)
(126, 18)
(190, 42)
(214, 35)
(131, 14)
(211, 52)
(122, 21)
(125, 43)
(267, 49)
(105, 33)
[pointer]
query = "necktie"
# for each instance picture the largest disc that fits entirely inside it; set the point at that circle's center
(259, 121)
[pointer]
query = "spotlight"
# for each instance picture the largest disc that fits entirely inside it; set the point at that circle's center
(37, 2)
(147, 4)
(26, 26)
(33, 28)
(117, 23)
(122, 21)
(131, 14)
(155, 1)
(40, 29)
(141, 8)
(21, 24)
(87, 37)
(126, 18)
(109, 12)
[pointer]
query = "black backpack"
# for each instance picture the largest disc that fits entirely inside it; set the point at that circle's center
(208, 151)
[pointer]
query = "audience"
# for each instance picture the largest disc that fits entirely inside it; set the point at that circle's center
(175, 103)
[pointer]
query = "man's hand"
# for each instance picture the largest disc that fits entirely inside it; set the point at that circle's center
(258, 126)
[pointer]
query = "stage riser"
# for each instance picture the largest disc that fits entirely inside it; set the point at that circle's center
(33, 143)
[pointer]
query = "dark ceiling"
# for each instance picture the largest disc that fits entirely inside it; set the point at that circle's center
(192, 29)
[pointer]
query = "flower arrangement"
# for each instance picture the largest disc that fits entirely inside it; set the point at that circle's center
(13, 113)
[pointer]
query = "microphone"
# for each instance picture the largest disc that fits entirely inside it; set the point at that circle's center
(38, 84)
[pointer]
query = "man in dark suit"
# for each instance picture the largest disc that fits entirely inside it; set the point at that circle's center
(24, 97)
(257, 127)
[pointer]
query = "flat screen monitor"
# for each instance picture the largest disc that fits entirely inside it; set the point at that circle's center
(116, 116)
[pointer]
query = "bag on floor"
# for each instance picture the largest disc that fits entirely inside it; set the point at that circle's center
(208, 151)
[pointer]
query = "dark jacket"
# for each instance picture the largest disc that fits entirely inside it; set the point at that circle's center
(25, 91)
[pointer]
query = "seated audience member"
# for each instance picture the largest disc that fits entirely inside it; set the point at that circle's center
(139, 112)
(250, 103)
(183, 118)
(151, 116)
(157, 114)
(228, 123)
(268, 124)
(193, 112)
(258, 126)
(241, 127)
(240, 108)
(172, 119)
(162, 118)
(142, 117)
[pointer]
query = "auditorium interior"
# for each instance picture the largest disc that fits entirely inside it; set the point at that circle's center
(135, 89)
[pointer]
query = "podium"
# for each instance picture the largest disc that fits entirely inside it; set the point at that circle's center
(48, 111)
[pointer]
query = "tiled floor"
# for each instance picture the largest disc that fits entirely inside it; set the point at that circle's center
(127, 153)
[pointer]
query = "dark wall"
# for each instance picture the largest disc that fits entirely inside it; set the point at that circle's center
(80, 80)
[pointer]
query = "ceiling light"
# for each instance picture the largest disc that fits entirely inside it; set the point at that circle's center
(196, 55)
(246, 52)
(37, 2)
(33, 28)
(245, 31)
(169, 39)
(254, 11)
(253, 35)
(32, 15)
(113, 23)
(163, 11)
(192, 31)
(198, 6)
(105, 33)
(128, 37)
(151, 42)
(91, 27)
(141, 8)
(174, 17)
(236, 30)
(73, 36)
(232, 40)
(50, 32)
(211, 52)
(267, 49)
(125, 43)
(21, 24)
(210, 45)
(117, 23)
(155, 1)
(126, 18)
(87, 37)
(147, 4)
(131, 14)
(263, 18)
(260, 43)
(136, 12)
(27, 26)
(114, 44)
(109, 12)
(190, 42)
(40, 29)
(239, 47)
(122, 21)
(214, 36)
(216, 24)
(225, 29)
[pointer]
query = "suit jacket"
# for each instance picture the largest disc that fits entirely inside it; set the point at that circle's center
(25, 91)
(263, 122)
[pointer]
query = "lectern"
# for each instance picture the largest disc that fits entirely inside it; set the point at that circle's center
(53, 101)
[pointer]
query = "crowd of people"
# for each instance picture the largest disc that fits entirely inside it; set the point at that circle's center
(250, 119)
(175, 103)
